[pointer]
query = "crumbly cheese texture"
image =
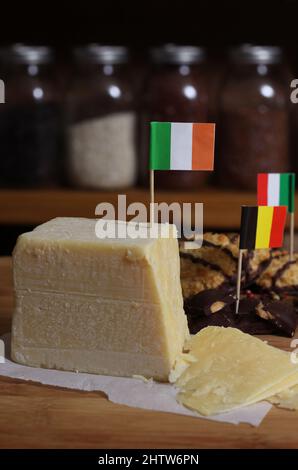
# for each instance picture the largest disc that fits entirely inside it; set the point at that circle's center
(286, 399)
(232, 369)
(103, 306)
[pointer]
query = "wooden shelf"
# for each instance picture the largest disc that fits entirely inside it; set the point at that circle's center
(31, 207)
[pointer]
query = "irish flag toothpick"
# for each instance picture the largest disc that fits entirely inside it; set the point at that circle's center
(278, 189)
(180, 146)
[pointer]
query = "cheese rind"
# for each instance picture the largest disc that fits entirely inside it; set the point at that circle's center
(106, 306)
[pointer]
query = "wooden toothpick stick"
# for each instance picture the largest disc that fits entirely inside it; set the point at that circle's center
(239, 280)
(292, 235)
(151, 197)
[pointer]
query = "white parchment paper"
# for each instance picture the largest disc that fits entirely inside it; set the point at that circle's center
(127, 391)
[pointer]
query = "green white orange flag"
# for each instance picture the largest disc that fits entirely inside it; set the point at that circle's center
(262, 227)
(182, 146)
(277, 189)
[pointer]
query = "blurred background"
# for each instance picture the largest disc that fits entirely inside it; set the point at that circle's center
(83, 81)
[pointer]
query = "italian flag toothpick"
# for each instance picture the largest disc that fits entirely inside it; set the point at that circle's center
(278, 189)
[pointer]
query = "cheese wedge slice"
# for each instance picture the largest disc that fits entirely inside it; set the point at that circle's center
(233, 369)
(107, 306)
(286, 399)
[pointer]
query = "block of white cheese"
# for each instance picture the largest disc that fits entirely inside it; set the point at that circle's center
(104, 306)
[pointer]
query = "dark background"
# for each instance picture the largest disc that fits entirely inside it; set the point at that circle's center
(216, 24)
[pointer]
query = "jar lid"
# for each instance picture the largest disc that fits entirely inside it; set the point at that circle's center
(250, 54)
(175, 54)
(100, 54)
(25, 54)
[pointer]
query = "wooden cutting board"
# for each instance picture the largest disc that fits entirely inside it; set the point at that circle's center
(40, 416)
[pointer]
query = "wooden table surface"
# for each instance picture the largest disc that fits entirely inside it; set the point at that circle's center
(40, 416)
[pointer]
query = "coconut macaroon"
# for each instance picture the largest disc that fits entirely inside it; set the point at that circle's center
(281, 275)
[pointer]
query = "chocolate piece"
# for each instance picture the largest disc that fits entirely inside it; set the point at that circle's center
(208, 302)
(257, 316)
(248, 305)
(246, 320)
(197, 323)
(279, 313)
(208, 278)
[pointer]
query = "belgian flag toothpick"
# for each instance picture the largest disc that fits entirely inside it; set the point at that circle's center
(261, 227)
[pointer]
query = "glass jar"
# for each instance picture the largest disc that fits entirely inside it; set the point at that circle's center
(292, 73)
(2, 74)
(253, 126)
(175, 91)
(101, 119)
(31, 123)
